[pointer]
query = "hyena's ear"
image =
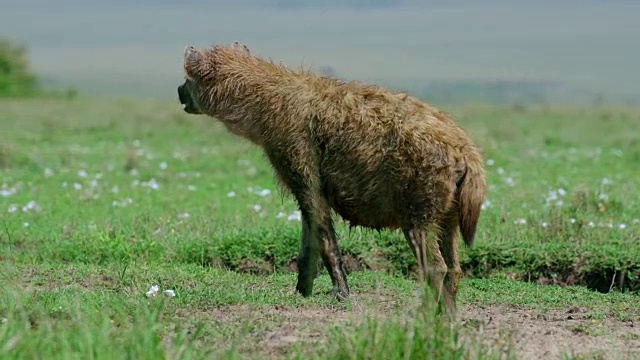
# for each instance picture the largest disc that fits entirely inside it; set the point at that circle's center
(240, 47)
(193, 61)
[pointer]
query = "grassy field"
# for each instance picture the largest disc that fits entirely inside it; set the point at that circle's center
(102, 199)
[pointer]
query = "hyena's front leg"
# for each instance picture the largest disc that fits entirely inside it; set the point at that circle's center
(298, 179)
(319, 238)
(308, 256)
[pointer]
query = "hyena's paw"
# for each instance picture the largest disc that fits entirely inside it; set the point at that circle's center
(339, 294)
(303, 289)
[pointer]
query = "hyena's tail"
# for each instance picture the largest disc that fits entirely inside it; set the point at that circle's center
(471, 192)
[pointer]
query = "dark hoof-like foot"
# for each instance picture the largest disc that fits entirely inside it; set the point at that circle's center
(339, 294)
(303, 290)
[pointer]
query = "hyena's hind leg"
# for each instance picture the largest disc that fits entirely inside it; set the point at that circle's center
(332, 258)
(449, 247)
(431, 264)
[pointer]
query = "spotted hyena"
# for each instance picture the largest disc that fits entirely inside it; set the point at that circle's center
(379, 159)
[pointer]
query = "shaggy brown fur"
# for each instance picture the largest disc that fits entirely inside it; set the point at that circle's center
(377, 158)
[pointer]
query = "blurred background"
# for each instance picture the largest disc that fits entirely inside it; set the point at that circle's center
(494, 51)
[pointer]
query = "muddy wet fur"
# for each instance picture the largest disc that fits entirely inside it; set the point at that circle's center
(379, 159)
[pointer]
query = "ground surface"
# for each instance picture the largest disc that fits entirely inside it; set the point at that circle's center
(101, 199)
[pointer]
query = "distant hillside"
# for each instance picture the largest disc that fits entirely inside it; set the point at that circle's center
(442, 49)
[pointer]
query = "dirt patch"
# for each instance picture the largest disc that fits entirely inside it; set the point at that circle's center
(528, 333)
(256, 267)
(534, 334)
(307, 326)
(275, 331)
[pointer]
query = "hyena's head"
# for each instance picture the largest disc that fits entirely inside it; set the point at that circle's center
(197, 66)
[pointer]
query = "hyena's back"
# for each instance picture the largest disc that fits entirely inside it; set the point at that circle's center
(390, 164)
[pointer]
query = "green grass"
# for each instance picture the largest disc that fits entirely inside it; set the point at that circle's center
(102, 199)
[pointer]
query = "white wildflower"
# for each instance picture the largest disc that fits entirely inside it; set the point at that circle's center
(48, 172)
(486, 204)
(591, 224)
(12, 208)
(77, 186)
(191, 188)
(500, 171)
(606, 181)
(7, 192)
(545, 224)
(123, 203)
(622, 226)
(184, 215)
(115, 189)
(603, 196)
(31, 205)
(490, 162)
(509, 181)
(231, 194)
(152, 184)
(25, 224)
(169, 293)
(257, 207)
(82, 173)
(520, 221)
(153, 291)
(572, 220)
(264, 192)
(163, 165)
(296, 215)
(280, 215)
(562, 192)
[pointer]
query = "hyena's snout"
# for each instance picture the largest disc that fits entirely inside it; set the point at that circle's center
(188, 104)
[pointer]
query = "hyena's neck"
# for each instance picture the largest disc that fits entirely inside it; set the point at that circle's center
(255, 98)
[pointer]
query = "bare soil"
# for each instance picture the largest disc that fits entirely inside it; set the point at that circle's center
(529, 333)
(534, 334)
